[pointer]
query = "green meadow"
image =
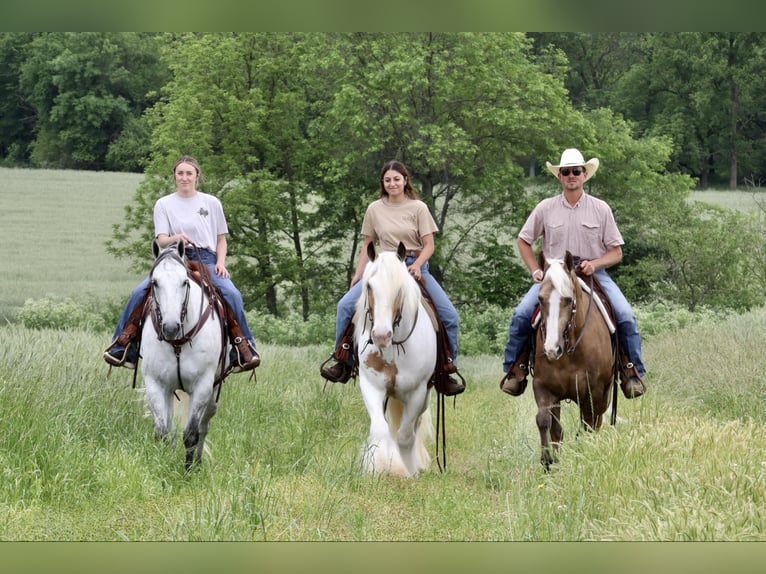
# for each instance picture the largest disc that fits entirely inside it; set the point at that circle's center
(686, 462)
(55, 225)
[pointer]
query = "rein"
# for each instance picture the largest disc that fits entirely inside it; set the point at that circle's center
(572, 348)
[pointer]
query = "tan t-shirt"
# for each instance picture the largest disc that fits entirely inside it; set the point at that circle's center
(407, 221)
(586, 229)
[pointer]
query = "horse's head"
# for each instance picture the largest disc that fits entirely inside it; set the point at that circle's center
(169, 285)
(389, 293)
(557, 298)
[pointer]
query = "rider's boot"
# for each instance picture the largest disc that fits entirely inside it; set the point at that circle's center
(515, 380)
(341, 366)
(244, 357)
(123, 352)
(631, 383)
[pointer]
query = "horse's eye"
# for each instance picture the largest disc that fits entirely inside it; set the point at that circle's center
(154, 282)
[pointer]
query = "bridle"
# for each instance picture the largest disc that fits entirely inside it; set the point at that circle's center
(156, 312)
(370, 319)
(572, 316)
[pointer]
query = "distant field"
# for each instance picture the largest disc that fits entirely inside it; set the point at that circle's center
(741, 200)
(54, 227)
(55, 224)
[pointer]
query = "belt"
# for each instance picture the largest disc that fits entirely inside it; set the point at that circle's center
(412, 253)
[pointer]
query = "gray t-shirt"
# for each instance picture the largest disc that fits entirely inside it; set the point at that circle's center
(200, 217)
(586, 229)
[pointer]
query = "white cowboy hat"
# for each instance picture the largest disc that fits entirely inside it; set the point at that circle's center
(573, 158)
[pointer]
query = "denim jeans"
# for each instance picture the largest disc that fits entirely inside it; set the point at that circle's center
(229, 292)
(627, 326)
(444, 307)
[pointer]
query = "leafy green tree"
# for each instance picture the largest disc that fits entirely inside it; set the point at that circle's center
(467, 112)
(85, 88)
(241, 104)
(706, 91)
(16, 115)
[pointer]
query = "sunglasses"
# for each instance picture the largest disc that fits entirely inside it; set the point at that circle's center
(575, 171)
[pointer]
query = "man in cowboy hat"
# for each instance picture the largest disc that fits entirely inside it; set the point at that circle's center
(577, 222)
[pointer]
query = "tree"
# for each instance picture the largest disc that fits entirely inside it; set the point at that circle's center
(705, 91)
(465, 112)
(17, 117)
(85, 88)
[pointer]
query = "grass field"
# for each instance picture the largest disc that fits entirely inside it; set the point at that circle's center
(55, 225)
(687, 462)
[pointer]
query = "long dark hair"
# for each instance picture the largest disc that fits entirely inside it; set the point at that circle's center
(396, 165)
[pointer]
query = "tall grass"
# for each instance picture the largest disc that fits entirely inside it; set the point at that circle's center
(79, 462)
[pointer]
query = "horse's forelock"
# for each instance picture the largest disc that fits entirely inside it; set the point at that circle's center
(388, 270)
(560, 278)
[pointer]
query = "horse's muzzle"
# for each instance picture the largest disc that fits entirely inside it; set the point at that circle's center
(171, 330)
(382, 338)
(554, 354)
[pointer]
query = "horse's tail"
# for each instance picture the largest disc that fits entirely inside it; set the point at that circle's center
(424, 435)
(181, 409)
(393, 411)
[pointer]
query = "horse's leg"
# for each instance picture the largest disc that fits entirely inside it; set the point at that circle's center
(549, 426)
(408, 428)
(380, 452)
(160, 401)
(204, 424)
(199, 399)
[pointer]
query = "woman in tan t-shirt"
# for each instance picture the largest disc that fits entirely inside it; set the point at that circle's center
(397, 216)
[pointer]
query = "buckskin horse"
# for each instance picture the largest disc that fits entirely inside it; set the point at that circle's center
(183, 347)
(574, 358)
(397, 356)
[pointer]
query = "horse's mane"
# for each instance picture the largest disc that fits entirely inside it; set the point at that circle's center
(560, 278)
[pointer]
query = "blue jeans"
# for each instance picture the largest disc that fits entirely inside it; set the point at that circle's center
(627, 326)
(229, 292)
(444, 307)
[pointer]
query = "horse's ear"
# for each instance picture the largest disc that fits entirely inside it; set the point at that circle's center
(401, 251)
(371, 251)
(181, 248)
(541, 260)
(155, 248)
(569, 261)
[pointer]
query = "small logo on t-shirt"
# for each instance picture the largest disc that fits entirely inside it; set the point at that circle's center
(410, 217)
(203, 212)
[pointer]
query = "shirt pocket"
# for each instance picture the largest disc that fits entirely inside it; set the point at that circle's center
(556, 236)
(592, 233)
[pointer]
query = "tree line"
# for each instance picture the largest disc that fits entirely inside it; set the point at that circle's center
(291, 129)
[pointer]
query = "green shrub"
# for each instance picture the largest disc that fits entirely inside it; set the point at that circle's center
(49, 313)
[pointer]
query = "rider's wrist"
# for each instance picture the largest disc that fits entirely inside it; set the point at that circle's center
(537, 272)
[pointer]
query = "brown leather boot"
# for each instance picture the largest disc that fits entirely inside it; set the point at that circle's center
(449, 386)
(515, 380)
(245, 355)
(631, 383)
(122, 352)
(337, 372)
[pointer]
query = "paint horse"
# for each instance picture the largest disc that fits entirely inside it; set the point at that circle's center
(396, 339)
